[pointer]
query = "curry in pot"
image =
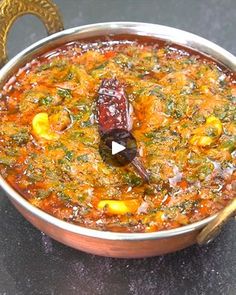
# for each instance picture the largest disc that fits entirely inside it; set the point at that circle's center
(184, 121)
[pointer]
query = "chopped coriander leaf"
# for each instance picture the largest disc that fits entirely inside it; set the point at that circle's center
(132, 179)
(101, 66)
(69, 155)
(83, 158)
(63, 197)
(22, 137)
(46, 100)
(42, 194)
(64, 93)
(6, 161)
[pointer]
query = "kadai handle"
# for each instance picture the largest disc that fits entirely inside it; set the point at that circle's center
(10, 10)
(213, 228)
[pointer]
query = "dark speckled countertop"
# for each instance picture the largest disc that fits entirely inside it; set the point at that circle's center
(33, 264)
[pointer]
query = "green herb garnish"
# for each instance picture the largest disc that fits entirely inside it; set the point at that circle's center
(64, 93)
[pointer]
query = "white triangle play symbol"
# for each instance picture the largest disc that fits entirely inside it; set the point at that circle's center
(116, 148)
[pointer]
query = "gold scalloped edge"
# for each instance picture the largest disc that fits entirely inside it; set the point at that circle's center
(10, 10)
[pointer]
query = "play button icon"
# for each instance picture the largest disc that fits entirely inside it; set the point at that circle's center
(118, 147)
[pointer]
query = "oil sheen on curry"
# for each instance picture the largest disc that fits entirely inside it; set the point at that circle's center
(183, 118)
